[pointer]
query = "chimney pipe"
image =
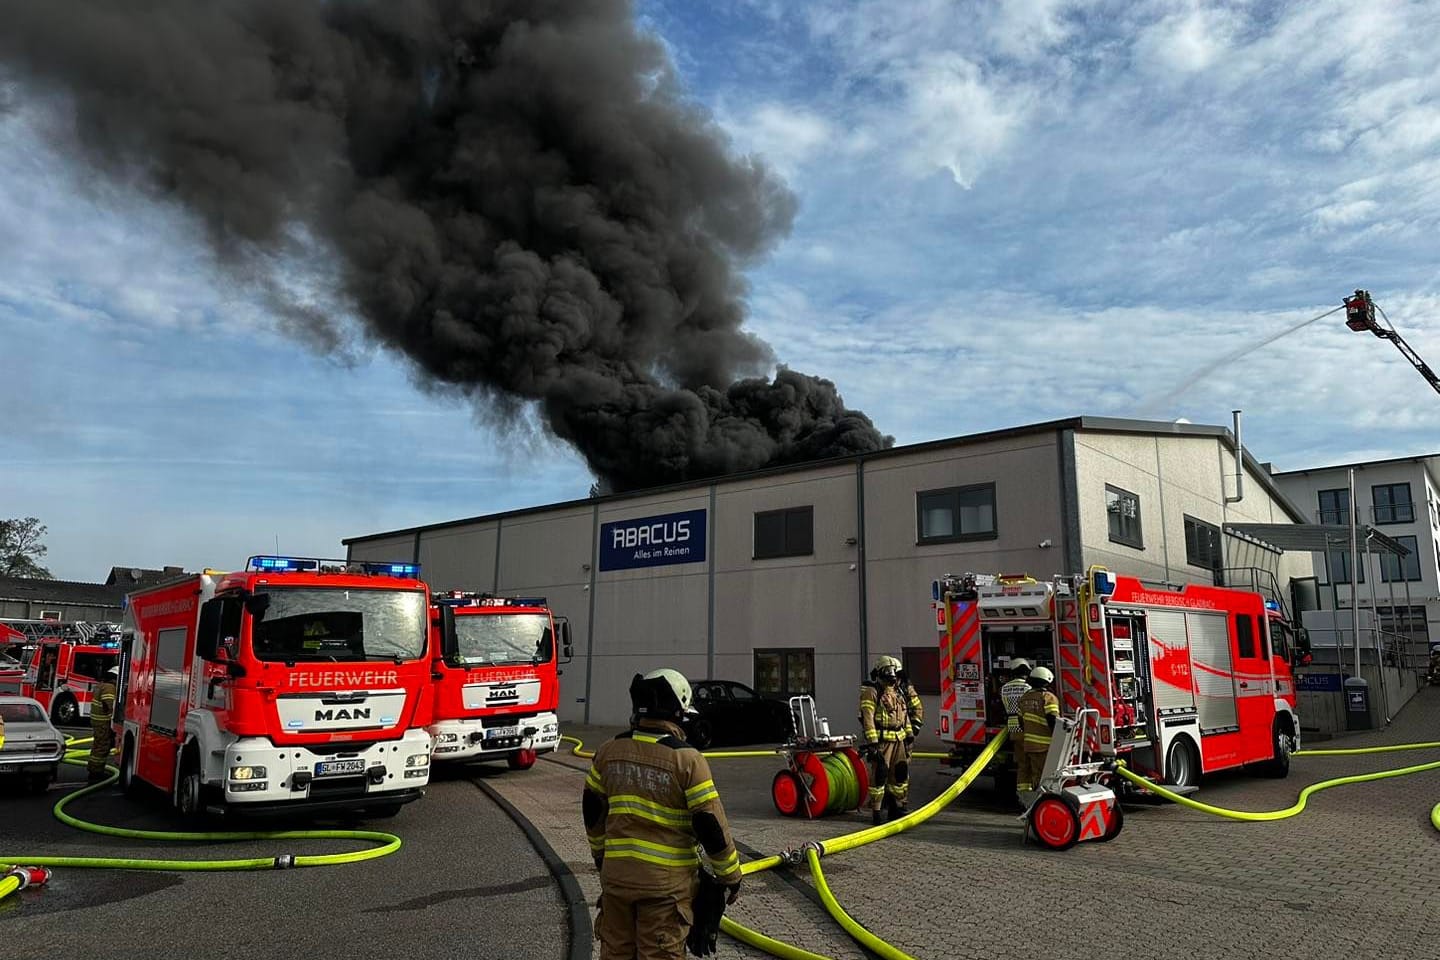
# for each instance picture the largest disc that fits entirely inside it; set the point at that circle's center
(1239, 463)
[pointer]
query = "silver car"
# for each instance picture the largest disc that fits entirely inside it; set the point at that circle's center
(32, 747)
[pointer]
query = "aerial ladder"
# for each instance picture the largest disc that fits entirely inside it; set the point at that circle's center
(1360, 315)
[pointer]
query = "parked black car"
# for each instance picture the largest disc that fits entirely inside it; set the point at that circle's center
(731, 714)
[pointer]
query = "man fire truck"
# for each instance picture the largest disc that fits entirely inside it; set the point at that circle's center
(497, 683)
(1187, 679)
(295, 683)
(63, 669)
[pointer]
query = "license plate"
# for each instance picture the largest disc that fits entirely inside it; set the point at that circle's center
(500, 732)
(9, 768)
(330, 768)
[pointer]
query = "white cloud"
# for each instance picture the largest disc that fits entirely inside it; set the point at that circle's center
(785, 136)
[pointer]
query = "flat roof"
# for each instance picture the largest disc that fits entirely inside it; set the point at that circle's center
(1430, 461)
(1081, 423)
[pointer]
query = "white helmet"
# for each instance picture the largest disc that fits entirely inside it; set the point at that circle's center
(113, 672)
(885, 666)
(1020, 663)
(1042, 675)
(677, 683)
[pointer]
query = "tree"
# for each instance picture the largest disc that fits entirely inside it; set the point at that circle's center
(21, 550)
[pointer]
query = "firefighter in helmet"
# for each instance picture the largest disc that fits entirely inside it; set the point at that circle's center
(885, 712)
(1039, 712)
(102, 714)
(648, 801)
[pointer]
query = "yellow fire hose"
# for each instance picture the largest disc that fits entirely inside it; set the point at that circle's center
(1305, 794)
(815, 849)
(386, 843)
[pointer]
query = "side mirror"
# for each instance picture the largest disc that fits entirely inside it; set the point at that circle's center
(449, 643)
(207, 638)
(257, 604)
(567, 649)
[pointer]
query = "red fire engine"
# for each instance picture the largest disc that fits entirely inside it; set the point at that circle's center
(297, 682)
(60, 664)
(1187, 680)
(497, 683)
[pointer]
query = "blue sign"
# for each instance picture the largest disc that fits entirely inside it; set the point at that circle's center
(653, 541)
(1318, 682)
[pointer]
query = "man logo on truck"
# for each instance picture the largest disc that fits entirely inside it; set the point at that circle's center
(355, 713)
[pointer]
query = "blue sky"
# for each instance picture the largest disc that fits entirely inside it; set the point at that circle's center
(1008, 213)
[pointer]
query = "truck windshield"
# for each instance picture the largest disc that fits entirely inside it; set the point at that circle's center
(334, 623)
(501, 638)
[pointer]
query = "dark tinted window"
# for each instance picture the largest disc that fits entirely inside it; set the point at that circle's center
(785, 533)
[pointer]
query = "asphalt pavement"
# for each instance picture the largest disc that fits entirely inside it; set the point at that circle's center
(1352, 876)
(467, 882)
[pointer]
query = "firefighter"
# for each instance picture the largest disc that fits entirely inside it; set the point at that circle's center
(648, 799)
(102, 713)
(885, 719)
(1010, 695)
(1039, 712)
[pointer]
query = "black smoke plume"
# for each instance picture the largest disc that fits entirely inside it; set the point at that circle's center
(517, 192)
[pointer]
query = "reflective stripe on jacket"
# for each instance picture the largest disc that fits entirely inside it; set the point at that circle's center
(1035, 709)
(884, 714)
(654, 786)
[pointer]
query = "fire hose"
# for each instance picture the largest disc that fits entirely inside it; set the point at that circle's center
(15, 878)
(1305, 794)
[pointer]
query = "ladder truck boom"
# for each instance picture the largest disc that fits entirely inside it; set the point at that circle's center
(1360, 315)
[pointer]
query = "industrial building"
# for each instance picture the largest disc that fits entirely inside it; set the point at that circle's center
(35, 598)
(791, 580)
(1401, 498)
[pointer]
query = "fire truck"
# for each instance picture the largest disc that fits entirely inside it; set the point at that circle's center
(1187, 680)
(297, 683)
(497, 683)
(63, 675)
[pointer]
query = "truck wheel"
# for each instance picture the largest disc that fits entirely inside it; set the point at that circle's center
(129, 785)
(521, 760)
(1279, 765)
(1182, 766)
(190, 789)
(65, 711)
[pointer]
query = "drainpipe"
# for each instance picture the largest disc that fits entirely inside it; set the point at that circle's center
(1239, 463)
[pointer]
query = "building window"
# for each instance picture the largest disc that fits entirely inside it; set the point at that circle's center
(1334, 506)
(1202, 545)
(51, 615)
(785, 533)
(1337, 566)
(1405, 621)
(1123, 510)
(786, 672)
(1394, 569)
(956, 513)
(922, 667)
(1392, 503)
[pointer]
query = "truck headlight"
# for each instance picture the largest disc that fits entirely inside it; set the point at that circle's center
(449, 737)
(247, 773)
(418, 760)
(550, 728)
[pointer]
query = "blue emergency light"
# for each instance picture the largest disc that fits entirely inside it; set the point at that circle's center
(281, 564)
(1272, 605)
(266, 564)
(1102, 581)
(935, 590)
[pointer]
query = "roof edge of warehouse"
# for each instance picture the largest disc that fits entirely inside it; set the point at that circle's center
(1091, 423)
(1429, 460)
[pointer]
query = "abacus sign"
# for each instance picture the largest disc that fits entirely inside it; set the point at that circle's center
(653, 541)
